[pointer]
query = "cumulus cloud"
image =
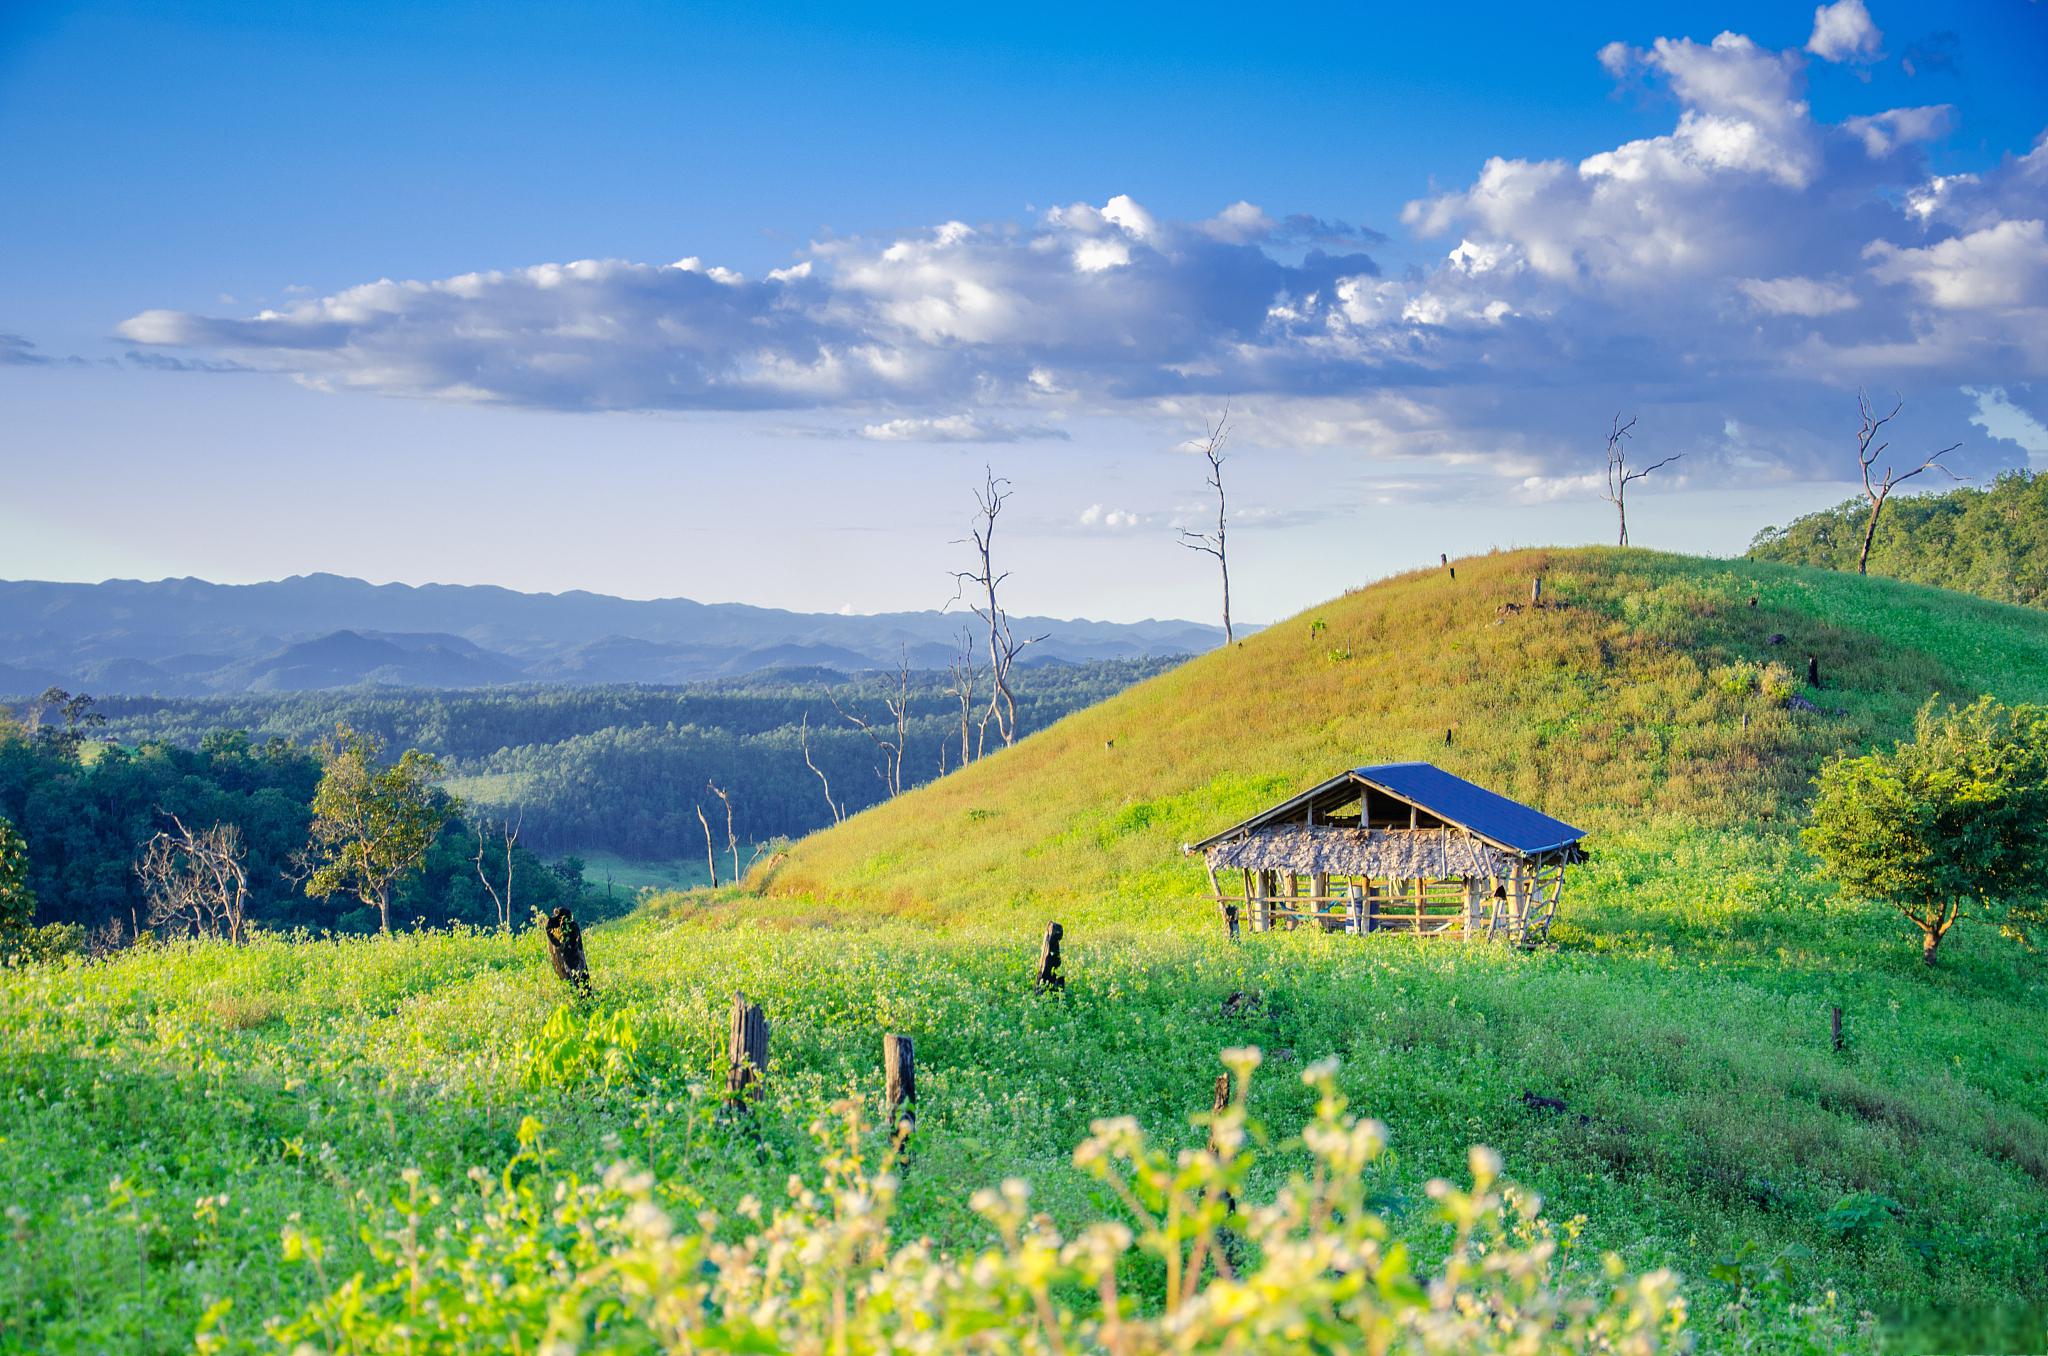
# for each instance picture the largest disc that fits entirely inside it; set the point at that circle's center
(1844, 31)
(1751, 265)
(1095, 515)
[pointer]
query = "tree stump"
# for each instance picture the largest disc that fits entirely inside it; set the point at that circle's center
(1536, 591)
(1812, 671)
(1049, 976)
(746, 1050)
(899, 1091)
(1230, 919)
(565, 950)
(1835, 1028)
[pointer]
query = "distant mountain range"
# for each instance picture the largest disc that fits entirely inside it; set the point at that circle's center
(187, 637)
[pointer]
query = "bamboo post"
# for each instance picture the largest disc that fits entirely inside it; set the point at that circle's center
(1354, 920)
(746, 1050)
(1049, 976)
(899, 1091)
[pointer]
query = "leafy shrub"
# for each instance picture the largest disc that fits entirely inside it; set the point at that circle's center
(578, 1046)
(537, 1258)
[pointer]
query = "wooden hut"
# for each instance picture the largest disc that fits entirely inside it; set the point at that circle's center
(1395, 847)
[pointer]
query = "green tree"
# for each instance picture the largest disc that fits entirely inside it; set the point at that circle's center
(1952, 818)
(372, 825)
(17, 901)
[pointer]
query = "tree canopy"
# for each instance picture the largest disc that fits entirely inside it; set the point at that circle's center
(373, 825)
(1954, 818)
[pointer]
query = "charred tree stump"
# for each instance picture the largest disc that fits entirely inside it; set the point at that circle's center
(1835, 1028)
(565, 950)
(746, 1051)
(1230, 920)
(1049, 976)
(899, 1092)
(1227, 1245)
(1812, 671)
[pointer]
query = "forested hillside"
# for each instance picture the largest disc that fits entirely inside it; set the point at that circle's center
(1992, 542)
(621, 769)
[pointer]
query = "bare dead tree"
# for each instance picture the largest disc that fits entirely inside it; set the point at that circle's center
(196, 880)
(732, 843)
(1214, 543)
(889, 740)
(961, 688)
(985, 582)
(804, 740)
(710, 853)
(1868, 450)
(1619, 477)
(510, 837)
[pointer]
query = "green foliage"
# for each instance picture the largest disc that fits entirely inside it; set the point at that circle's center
(579, 1046)
(373, 825)
(1956, 816)
(539, 1257)
(17, 901)
(1992, 542)
(1858, 1216)
(595, 768)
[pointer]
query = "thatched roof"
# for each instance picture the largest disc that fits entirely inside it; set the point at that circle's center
(1396, 854)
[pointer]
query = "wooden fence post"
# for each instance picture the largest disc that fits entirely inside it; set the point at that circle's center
(565, 950)
(1049, 976)
(1536, 591)
(1230, 919)
(899, 1091)
(1835, 1027)
(1354, 910)
(746, 1050)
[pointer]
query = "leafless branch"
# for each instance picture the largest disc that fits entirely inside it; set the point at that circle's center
(804, 739)
(1003, 645)
(1619, 477)
(1868, 449)
(1216, 543)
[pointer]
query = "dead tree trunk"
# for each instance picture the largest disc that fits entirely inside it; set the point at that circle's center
(710, 853)
(565, 950)
(1049, 976)
(1003, 645)
(899, 1091)
(746, 1051)
(1879, 489)
(804, 738)
(1216, 543)
(1619, 477)
(732, 843)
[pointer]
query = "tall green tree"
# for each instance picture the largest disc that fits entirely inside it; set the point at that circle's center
(1953, 819)
(17, 902)
(372, 824)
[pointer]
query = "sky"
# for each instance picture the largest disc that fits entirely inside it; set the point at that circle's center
(739, 302)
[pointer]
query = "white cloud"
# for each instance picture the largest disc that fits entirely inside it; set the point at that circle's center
(1095, 515)
(2002, 267)
(1797, 296)
(1998, 416)
(957, 428)
(1844, 31)
(1750, 263)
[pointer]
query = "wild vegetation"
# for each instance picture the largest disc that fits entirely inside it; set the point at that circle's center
(617, 769)
(428, 1142)
(1990, 541)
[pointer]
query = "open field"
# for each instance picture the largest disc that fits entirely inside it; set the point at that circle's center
(177, 1124)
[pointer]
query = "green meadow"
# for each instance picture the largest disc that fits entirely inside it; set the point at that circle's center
(206, 1143)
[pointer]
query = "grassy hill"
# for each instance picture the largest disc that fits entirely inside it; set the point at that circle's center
(1991, 541)
(1895, 1193)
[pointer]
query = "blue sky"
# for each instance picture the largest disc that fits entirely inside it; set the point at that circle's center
(1425, 256)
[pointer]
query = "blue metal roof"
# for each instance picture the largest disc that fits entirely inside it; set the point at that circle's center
(1453, 799)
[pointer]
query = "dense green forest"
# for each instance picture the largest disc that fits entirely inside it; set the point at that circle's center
(622, 769)
(85, 808)
(615, 770)
(1991, 542)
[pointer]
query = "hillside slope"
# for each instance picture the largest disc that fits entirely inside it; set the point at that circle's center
(1992, 542)
(1647, 692)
